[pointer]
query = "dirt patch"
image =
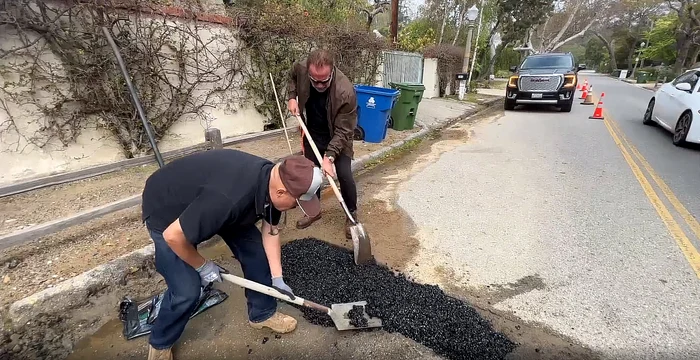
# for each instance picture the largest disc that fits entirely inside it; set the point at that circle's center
(53, 336)
(52, 259)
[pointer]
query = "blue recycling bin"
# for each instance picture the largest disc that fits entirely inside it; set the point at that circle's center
(374, 106)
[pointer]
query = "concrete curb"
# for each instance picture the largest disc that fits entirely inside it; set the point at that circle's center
(74, 292)
(628, 81)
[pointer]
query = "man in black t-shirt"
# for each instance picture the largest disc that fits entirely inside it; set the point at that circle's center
(222, 192)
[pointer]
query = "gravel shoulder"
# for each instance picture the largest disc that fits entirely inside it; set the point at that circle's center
(49, 260)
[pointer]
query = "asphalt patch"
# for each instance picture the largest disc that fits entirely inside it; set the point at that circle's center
(326, 274)
(357, 316)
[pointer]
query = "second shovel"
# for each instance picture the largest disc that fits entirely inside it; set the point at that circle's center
(361, 245)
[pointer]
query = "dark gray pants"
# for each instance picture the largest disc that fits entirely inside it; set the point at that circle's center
(343, 169)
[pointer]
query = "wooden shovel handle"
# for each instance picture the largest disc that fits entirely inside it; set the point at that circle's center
(316, 306)
(272, 292)
(320, 161)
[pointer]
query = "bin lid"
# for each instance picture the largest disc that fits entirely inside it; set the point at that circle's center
(407, 85)
(375, 90)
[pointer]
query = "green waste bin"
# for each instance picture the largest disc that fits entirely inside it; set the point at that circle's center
(403, 115)
(642, 77)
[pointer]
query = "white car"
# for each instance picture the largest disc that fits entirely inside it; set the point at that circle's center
(675, 105)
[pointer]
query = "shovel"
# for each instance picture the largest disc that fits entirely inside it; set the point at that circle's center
(337, 312)
(360, 240)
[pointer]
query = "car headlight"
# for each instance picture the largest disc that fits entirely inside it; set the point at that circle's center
(569, 81)
(513, 81)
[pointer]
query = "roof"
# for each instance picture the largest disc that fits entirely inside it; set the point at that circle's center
(552, 53)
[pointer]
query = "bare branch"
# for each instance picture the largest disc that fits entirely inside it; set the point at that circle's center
(573, 37)
(566, 26)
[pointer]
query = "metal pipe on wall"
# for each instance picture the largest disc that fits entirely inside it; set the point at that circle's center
(134, 96)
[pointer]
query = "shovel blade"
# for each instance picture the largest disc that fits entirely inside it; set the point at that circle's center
(342, 322)
(361, 244)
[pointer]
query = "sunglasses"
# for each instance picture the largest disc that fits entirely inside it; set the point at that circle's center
(321, 82)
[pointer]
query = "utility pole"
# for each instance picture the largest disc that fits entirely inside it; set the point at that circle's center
(394, 21)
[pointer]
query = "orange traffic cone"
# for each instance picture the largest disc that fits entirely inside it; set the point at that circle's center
(598, 113)
(588, 96)
(578, 87)
(585, 92)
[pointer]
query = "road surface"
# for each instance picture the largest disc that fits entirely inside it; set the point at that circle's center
(586, 227)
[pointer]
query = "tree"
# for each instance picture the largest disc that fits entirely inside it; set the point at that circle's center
(514, 19)
(622, 27)
(595, 54)
(417, 35)
(662, 40)
(371, 11)
(687, 33)
(570, 20)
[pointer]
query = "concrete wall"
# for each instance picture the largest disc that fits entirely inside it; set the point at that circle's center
(431, 81)
(95, 145)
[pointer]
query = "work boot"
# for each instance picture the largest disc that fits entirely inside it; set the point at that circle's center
(306, 221)
(279, 323)
(154, 354)
(349, 224)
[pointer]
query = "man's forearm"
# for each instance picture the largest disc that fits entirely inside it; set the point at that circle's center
(187, 253)
(177, 241)
(273, 251)
(338, 142)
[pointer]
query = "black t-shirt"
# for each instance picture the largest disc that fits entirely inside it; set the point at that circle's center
(317, 118)
(211, 192)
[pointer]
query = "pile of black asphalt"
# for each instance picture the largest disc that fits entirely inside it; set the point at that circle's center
(326, 274)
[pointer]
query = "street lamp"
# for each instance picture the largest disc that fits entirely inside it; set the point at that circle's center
(472, 14)
(636, 60)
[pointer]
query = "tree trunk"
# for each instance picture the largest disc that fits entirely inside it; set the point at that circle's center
(444, 22)
(492, 50)
(630, 58)
(693, 58)
(460, 20)
(550, 44)
(492, 62)
(683, 50)
(611, 50)
(579, 34)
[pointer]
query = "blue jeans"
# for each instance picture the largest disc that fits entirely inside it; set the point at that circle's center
(184, 284)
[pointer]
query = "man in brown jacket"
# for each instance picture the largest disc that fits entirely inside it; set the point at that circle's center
(325, 99)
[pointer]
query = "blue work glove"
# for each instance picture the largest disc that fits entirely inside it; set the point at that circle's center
(279, 285)
(210, 272)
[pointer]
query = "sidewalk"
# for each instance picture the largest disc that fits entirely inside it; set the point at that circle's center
(648, 86)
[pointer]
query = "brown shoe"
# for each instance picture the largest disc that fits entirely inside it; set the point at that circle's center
(279, 323)
(306, 221)
(154, 354)
(349, 224)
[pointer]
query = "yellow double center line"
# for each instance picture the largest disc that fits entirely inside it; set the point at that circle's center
(684, 243)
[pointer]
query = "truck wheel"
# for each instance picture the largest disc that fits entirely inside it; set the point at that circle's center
(566, 107)
(509, 104)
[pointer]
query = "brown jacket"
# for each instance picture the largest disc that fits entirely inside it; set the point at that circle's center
(341, 106)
